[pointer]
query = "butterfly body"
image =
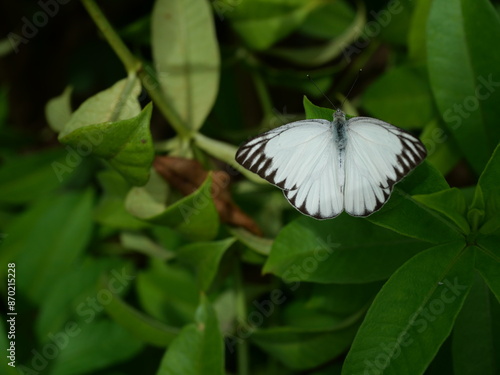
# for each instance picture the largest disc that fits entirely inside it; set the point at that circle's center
(326, 167)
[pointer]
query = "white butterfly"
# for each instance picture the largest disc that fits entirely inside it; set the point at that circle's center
(326, 167)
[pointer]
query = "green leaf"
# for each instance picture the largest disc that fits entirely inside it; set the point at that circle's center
(413, 313)
(261, 23)
(344, 250)
(59, 230)
(199, 349)
(119, 102)
(99, 344)
(315, 56)
(143, 244)
(186, 57)
(473, 334)
(315, 112)
(329, 20)
(489, 186)
(126, 145)
(405, 215)
(410, 106)
(205, 258)
(256, 243)
(300, 348)
(141, 326)
(168, 293)
(58, 110)
(450, 203)
(466, 94)
(194, 216)
(488, 260)
(110, 210)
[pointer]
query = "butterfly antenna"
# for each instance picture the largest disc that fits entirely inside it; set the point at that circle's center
(353, 84)
(327, 98)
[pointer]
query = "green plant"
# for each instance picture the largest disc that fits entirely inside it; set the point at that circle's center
(135, 263)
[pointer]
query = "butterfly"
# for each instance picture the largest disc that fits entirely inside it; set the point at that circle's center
(326, 167)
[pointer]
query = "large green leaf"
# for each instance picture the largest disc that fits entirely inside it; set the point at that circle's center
(186, 57)
(59, 230)
(413, 313)
(205, 258)
(408, 106)
(442, 150)
(473, 334)
(343, 250)
(199, 349)
(417, 50)
(465, 73)
(126, 144)
(194, 216)
(488, 193)
(99, 344)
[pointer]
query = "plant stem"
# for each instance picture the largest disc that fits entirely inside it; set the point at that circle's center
(241, 316)
(135, 66)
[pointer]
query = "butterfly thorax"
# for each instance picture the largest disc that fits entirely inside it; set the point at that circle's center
(339, 126)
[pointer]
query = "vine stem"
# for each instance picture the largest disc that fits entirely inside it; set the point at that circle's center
(241, 316)
(134, 66)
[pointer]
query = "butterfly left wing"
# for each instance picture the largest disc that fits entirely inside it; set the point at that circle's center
(302, 159)
(377, 156)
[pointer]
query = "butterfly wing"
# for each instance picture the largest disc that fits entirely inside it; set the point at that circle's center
(377, 156)
(302, 159)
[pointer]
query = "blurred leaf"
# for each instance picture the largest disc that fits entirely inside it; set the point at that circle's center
(466, 93)
(315, 56)
(186, 57)
(450, 203)
(205, 258)
(127, 145)
(143, 244)
(59, 231)
(119, 102)
(344, 250)
(136, 323)
(194, 216)
(261, 23)
(413, 313)
(58, 110)
(98, 345)
(258, 244)
(199, 349)
(329, 20)
(167, 293)
(408, 106)
(473, 334)
(68, 299)
(394, 20)
(111, 208)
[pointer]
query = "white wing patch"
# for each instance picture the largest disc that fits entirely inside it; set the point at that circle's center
(302, 159)
(377, 156)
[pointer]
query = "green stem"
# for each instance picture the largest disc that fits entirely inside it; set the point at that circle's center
(135, 66)
(241, 316)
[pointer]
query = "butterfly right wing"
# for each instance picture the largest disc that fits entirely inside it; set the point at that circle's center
(302, 159)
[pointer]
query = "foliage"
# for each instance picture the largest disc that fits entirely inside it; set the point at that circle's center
(125, 269)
